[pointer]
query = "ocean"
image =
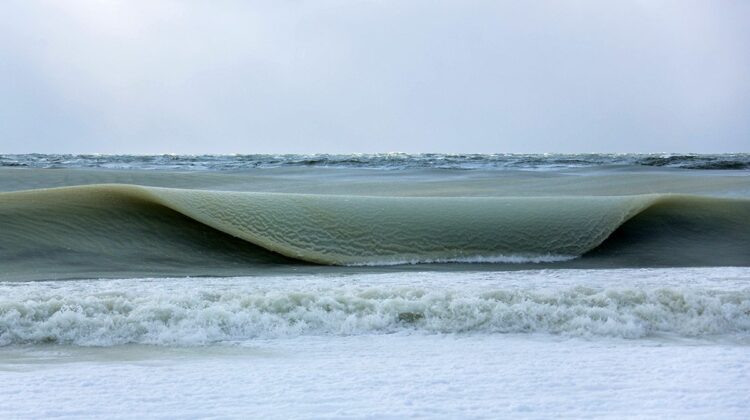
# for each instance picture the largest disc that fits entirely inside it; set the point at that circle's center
(375, 286)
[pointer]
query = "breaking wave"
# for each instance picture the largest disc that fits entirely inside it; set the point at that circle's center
(203, 315)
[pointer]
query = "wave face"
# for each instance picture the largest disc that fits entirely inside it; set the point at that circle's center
(205, 311)
(115, 229)
(735, 161)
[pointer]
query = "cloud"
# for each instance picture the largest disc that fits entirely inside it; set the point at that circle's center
(366, 76)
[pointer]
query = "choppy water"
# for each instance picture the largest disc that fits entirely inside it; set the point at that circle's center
(732, 161)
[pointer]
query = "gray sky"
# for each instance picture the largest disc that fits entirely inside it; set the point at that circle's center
(374, 76)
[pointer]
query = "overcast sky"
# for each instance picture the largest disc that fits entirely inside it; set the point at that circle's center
(374, 76)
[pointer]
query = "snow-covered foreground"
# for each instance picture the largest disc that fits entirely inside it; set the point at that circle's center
(382, 376)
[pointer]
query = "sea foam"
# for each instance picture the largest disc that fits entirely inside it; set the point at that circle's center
(205, 311)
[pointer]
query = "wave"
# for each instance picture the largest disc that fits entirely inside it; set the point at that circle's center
(93, 230)
(198, 315)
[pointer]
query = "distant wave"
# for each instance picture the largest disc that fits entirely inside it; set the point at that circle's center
(394, 161)
(195, 315)
(90, 230)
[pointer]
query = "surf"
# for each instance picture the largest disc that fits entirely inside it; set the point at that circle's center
(706, 304)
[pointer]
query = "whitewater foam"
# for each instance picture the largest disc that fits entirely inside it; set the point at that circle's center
(205, 311)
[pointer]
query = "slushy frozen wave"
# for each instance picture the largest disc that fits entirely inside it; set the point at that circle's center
(119, 225)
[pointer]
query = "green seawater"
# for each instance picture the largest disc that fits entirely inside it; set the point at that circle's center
(95, 223)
